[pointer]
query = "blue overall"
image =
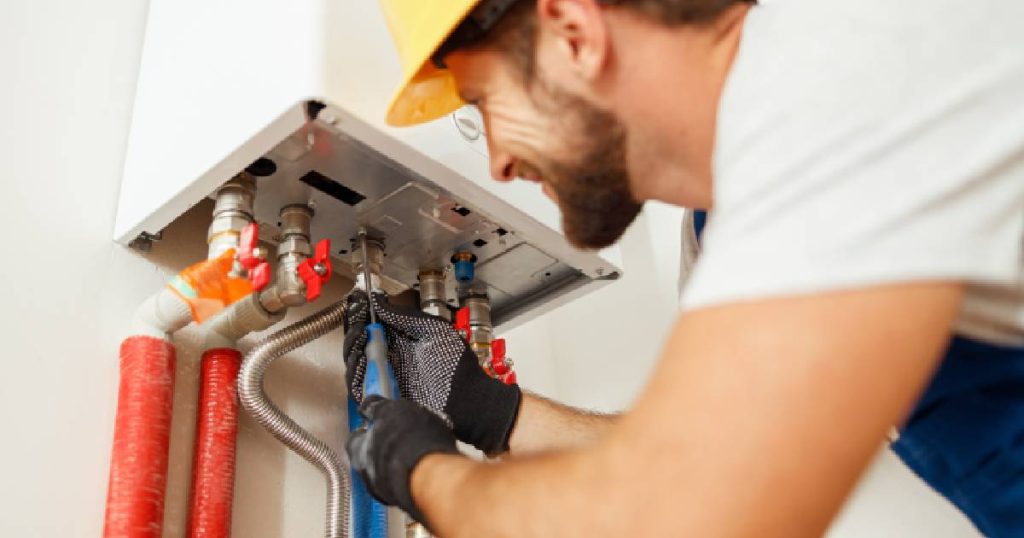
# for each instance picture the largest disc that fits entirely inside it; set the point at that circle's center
(965, 437)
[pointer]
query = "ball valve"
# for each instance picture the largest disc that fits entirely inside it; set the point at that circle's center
(462, 323)
(501, 365)
(316, 271)
(250, 257)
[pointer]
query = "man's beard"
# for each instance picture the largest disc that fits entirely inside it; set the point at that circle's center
(593, 188)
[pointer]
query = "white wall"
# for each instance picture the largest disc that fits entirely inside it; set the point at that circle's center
(68, 77)
(68, 71)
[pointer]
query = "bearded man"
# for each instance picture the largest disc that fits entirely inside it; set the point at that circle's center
(862, 163)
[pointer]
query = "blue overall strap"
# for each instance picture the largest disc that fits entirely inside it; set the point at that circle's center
(965, 437)
(700, 220)
(369, 517)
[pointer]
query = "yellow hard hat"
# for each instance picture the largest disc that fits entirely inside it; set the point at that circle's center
(419, 28)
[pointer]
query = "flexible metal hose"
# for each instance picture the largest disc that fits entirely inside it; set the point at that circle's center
(255, 401)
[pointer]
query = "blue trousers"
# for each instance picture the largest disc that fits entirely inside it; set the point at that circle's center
(965, 437)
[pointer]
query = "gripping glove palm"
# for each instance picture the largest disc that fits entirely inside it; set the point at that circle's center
(398, 434)
(435, 368)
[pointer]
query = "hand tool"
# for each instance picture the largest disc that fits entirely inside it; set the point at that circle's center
(378, 379)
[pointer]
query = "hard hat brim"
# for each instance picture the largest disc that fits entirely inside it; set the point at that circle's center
(427, 95)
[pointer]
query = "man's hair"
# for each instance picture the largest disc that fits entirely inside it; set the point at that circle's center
(516, 33)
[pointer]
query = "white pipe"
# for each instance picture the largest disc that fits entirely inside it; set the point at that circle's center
(237, 320)
(161, 314)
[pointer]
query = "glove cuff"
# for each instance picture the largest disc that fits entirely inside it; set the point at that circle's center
(400, 434)
(485, 409)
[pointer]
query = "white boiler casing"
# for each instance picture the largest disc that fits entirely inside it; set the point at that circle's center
(304, 83)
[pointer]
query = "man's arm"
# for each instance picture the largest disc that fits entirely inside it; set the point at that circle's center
(543, 425)
(758, 421)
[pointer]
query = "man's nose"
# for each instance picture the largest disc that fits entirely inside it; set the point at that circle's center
(502, 165)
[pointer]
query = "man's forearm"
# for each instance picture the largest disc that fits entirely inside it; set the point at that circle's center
(467, 498)
(546, 425)
(548, 439)
(723, 442)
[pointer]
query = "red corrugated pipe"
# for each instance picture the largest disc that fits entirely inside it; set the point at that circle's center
(213, 464)
(138, 464)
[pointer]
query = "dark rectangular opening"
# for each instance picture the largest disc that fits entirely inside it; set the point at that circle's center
(331, 188)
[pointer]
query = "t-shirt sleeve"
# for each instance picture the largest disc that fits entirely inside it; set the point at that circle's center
(884, 158)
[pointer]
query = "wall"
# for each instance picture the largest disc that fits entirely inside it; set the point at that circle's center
(69, 70)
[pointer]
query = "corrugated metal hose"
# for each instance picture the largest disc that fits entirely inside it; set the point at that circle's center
(255, 401)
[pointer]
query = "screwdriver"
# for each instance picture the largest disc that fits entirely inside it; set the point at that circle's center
(378, 380)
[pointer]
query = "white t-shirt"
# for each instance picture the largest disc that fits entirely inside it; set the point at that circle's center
(869, 142)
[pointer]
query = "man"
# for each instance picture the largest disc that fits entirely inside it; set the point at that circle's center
(862, 266)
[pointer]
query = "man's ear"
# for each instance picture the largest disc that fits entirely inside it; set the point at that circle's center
(573, 39)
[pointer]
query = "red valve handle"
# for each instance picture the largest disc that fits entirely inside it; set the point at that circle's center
(258, 268)
(247, 242)
(462, 323)
(498, 348)
(259, 276)
(498, 362)
(316, 271)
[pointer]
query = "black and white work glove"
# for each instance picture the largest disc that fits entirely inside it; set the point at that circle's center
(398, 434)
(435, 368)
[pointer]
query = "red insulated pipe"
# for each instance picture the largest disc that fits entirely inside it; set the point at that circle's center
(213, 464)
(138, 461)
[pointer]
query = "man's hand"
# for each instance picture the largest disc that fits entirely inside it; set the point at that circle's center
(398, 435)
(436, 369)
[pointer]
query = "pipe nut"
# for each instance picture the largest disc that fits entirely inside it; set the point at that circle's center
(295, 219)
(438, 310)
(295, 244)
(232, 224)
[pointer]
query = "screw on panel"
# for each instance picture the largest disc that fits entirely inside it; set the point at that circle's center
(144, 242)
(313, 109)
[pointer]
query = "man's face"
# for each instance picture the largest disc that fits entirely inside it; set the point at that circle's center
(542, 133)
